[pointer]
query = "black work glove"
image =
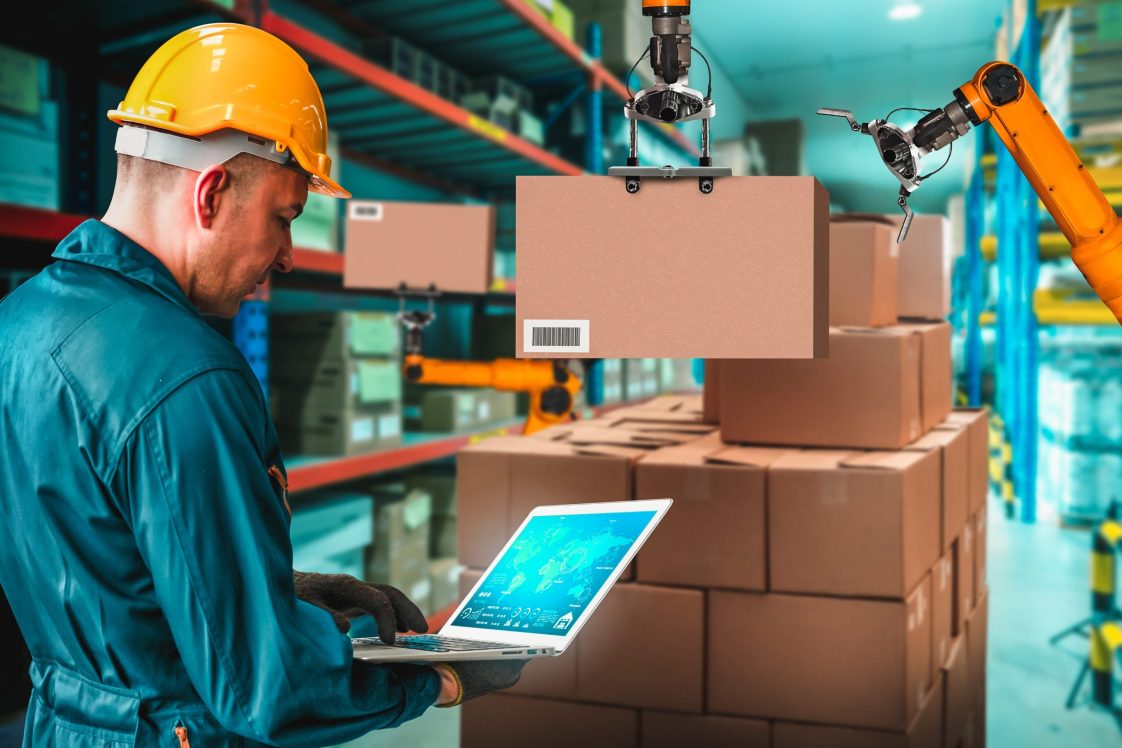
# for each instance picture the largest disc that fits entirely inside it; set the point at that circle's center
(479, 677)
(347, 598)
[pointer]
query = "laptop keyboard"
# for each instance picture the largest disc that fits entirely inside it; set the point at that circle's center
(429, 643)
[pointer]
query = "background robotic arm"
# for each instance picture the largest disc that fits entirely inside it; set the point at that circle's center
(1000, 94)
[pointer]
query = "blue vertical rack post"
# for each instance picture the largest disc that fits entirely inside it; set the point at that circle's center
(251, 336)
(1018, 260)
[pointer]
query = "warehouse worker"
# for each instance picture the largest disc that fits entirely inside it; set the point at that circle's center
(144, 518)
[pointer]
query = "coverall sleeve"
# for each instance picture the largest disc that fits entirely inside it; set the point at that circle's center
(213, 529)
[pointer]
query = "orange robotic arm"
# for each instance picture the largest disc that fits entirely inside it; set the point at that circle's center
(1068, 192)
(552, 386)
(1000, 95)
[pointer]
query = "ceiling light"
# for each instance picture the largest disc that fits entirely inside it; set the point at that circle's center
(904, 10)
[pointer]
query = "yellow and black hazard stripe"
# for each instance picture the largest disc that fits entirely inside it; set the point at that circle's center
(1106, 641)
(1105, 545)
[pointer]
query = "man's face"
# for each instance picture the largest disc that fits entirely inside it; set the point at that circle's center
(250, 235)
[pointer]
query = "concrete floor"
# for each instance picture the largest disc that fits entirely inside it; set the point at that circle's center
(1039, 585)
(1039, 577)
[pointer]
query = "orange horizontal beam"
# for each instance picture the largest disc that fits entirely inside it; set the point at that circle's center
(383, 80)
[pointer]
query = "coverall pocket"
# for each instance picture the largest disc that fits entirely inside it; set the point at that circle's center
(70, 710)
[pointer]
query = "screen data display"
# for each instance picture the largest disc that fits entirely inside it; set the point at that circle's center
(552, 571)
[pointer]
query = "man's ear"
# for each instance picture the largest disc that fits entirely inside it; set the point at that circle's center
(211, 186)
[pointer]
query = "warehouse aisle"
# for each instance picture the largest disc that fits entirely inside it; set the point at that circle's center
(1039, 585)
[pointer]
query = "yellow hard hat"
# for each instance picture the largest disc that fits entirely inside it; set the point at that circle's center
(228, 76)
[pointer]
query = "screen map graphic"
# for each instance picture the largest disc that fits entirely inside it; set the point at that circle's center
(554, 568)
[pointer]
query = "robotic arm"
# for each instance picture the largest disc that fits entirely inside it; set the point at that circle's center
(670, 99)
(1000, 95)
(552, 386)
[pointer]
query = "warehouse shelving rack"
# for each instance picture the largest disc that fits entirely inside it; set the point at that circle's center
(1023, 237)
(384, 121)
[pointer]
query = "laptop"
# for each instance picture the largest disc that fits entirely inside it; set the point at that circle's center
(540, 590)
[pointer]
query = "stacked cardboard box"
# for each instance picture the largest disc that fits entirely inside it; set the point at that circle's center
(399, 555)
(458, 410)
(336, 382)
(817, 581)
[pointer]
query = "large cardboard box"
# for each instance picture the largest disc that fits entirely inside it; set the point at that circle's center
(925, 268)
(862, 524)
(760, 267)
(506, 719)
(501, 479)
(547, 677)
(391, 243)
(926, 730)
(976, 423)
(720, 497)
(980, 550)
(963, 577)
(676, 730)
(977, 633)
(880, 389)
(976, 650)
(957, 695)
(952, 447)
(645, 647)
(942, 609)
(858, 663)
(863, 260)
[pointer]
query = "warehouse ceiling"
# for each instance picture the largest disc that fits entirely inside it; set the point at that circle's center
(789, 58)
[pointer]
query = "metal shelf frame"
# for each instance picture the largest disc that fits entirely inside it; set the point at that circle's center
(1018, 264)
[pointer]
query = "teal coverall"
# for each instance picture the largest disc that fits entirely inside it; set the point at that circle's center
(144, 546)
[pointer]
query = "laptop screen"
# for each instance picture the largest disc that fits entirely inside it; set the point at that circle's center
(552, 571)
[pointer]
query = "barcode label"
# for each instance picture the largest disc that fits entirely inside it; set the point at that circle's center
(555, 336)
(366, 211)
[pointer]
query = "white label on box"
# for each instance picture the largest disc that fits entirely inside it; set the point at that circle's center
(361, 211)
(389, 426)
(465, 406)
(555, 336)
(362, 430)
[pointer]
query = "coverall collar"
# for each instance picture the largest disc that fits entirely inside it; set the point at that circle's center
(96, 243)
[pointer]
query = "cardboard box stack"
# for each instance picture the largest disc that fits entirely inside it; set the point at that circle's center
(819, 579)
(336, 382)
(444, 567)
(456, 410)
(399, 555)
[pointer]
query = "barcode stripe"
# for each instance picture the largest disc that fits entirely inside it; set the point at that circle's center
(567, 337)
